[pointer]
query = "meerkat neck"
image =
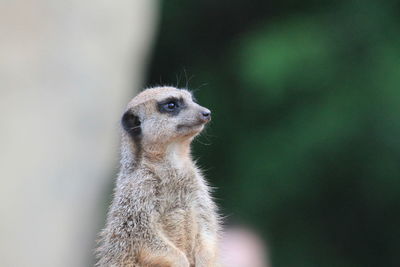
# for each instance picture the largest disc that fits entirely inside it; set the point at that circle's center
(176, 154)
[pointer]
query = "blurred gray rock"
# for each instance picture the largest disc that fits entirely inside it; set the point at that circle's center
(67, 69)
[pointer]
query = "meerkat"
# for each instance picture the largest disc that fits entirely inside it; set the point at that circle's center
(162, 213)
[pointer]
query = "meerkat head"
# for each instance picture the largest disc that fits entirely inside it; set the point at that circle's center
(164, 115)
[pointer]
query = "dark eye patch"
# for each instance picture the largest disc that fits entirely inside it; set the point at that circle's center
(171, 105)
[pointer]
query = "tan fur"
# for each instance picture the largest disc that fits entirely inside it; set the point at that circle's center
(162, 213)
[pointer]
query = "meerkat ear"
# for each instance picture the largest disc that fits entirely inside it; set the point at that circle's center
(131, 123)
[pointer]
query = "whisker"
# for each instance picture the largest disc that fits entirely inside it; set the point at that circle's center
(206, 144)
(178, 79)
(184, 71)
(199, 87)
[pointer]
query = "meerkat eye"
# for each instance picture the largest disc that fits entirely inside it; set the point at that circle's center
(171, 105)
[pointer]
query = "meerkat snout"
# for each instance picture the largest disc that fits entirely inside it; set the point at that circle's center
(200, 118)
(205, 115)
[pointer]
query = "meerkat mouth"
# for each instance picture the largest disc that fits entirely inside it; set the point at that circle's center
(190, 126)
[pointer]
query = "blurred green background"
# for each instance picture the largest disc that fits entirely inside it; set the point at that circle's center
(304, 145)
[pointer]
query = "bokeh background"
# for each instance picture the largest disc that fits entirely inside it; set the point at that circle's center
(304, 146)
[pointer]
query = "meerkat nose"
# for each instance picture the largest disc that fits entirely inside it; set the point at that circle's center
(205, 114)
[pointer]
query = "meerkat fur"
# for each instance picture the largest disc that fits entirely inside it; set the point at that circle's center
(162, 213)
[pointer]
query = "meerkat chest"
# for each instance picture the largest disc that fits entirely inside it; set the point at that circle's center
(178, 202)
(177, 191)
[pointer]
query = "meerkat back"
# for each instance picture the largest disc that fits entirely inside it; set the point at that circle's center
(162, 213)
